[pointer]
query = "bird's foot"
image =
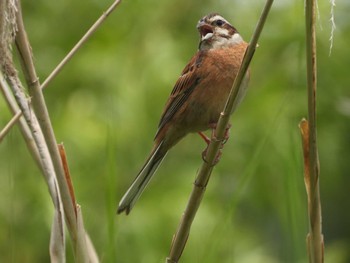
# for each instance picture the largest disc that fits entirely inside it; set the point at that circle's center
(214, 138)
(226, 134)
(217, 157)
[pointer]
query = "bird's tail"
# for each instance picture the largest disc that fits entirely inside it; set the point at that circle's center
(135, 190)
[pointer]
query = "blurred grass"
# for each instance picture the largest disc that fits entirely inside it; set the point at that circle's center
(105, 107)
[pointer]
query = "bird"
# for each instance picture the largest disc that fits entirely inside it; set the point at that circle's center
(198, 96)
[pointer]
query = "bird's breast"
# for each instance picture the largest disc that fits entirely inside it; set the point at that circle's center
(216, 73)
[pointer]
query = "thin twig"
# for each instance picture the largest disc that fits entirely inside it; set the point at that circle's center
(74, 50)
(9, 125)
(315, 237)
(204, 173)
(87, 35)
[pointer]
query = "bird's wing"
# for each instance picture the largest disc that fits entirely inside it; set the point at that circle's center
(184, 86)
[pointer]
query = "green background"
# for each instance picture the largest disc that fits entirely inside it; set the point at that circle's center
(105, 106)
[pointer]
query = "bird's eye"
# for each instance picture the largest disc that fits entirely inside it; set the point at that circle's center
(219, 22)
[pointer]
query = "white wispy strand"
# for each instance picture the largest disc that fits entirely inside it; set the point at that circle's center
(332, 20)
(318, 15)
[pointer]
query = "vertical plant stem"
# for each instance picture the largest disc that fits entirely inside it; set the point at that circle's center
(182, 234)
(43, 147)
(315, 237)
(40, 109)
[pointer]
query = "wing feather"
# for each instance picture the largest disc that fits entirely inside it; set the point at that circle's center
(183, 88)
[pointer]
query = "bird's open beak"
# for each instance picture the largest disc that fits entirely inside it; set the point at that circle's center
(206, 31)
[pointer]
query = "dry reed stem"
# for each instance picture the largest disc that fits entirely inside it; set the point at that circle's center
(57, 235)
(40, 108)
(309, 135)
(44, 148)
(57, 238)
(8, 28)
(23, 126)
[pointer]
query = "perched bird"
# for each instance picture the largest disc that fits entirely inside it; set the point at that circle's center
(198, 97)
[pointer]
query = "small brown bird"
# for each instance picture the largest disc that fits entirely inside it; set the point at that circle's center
(198, 97)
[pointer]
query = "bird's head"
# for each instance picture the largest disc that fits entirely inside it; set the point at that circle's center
(216, 32)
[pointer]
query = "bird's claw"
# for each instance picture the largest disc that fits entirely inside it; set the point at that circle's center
(217, 157)
(226, 134)
(214, 138)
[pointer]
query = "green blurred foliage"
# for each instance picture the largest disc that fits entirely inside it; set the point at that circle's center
(105, 107)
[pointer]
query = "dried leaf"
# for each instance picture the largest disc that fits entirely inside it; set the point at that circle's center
(304, 129)
(67, 174)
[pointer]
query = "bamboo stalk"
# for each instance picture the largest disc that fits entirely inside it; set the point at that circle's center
(203, 176)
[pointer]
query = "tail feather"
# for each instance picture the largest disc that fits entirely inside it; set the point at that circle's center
(142, 179)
